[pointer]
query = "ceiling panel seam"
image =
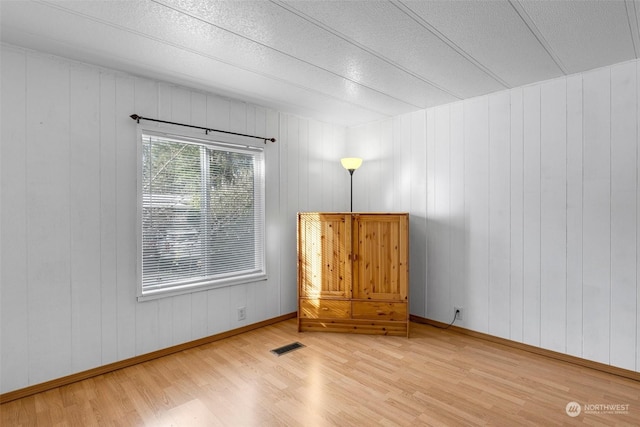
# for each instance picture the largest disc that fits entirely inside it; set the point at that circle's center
(287, 54)
(528, 21)
(426, 25)
(355, 43)
(215, 58)
(632, 17)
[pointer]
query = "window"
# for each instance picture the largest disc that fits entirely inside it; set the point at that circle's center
(201, 214)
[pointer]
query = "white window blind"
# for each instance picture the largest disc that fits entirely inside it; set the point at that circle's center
(202, 214)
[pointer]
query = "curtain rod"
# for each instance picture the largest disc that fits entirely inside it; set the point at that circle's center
(137, 118)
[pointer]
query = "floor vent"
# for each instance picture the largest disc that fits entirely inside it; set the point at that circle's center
(286, 348)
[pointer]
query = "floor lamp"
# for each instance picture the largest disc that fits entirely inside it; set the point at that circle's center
(351, 164)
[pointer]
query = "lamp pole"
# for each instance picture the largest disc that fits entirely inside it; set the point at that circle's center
(351, 164)
(351, 171)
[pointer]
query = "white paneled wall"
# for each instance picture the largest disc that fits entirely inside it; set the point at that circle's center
(394, 178)
(531, 199)
(311, 179)
(68, 215)
(523, 211)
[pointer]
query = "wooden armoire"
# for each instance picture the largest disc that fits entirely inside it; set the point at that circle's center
(353, 272)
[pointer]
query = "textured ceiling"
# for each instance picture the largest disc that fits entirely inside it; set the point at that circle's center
(345, 62)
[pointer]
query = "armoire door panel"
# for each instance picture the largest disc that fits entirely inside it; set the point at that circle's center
(324, 266)
(381, 264)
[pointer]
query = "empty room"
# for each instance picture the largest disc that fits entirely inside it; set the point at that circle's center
(319, 212)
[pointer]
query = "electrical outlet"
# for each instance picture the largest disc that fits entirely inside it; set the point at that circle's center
(458, 312)
(242, 313)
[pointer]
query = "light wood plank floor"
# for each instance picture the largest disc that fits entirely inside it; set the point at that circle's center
(434, 378)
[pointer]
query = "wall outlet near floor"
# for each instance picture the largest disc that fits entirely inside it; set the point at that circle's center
(458, 312)
(242, 313)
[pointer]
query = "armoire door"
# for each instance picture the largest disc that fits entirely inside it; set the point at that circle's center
(324, 267)
(381, 261)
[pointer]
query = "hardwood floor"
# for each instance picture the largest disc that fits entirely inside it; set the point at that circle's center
(434, 378)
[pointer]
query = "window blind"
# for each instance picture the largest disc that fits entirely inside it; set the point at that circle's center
(202, 214)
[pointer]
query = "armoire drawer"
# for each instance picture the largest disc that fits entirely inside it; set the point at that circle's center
(315, 309)
(380, 310)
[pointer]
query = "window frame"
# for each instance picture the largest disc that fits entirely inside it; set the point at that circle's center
(234, 144)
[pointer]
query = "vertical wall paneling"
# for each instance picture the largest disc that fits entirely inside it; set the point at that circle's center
(393, 160)
(553, 215)
(340, 191)
(250, 116)
(147, 313)
(366, 195)
(48, 216)
(432, 244)
(538, 189)
(531, 219)
(438, 304)
(637, 321)
(418, 217)
(457, 250)
(339, 141)
(374, 179)
(165, 322)
(309, 168)
(574, 216)
(274, 225)
(321, 142)
(384, 160)
(218, 112)
(164, 101)
(499, 214)
(267, 295)
(476, 163)
(126, 211)
(516, 238)
(237, 116)
(198, 109)
(283, 220)
(257, 310)
(108, 251)
(181, 106)
(238, 297)
(624, 167)
(402, 155)
(218, 317)
(597, 215)
(290, 127)
(84, 203)
(69, 154)
(318, 164)
(14, 304)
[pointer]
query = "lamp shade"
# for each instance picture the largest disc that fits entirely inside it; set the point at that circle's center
(351, 163)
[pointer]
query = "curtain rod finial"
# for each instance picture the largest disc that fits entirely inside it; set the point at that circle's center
(135, 117)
